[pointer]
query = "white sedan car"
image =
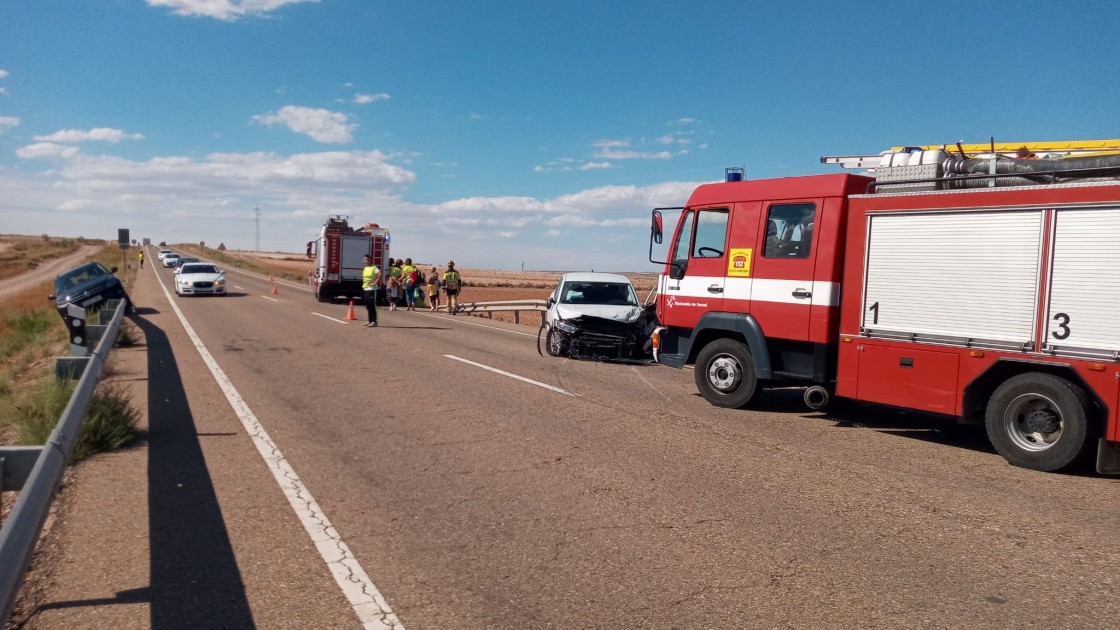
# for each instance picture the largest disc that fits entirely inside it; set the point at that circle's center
(200, 279)
(169, 259)
(597, 316)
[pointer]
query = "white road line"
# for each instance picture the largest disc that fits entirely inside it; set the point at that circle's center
(466, 320)
(239, 288)
(268, 298)
(368, 603)
(341, 321)
(511, 375)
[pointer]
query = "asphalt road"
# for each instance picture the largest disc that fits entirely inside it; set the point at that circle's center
(473, 496)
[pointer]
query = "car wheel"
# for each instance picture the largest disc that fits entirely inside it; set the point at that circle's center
(725, 374)
(557, 343)
(1040, 421)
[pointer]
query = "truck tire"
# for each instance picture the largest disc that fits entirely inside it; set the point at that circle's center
(1040, 421)
(725, 374)
(322, 295)
(556, 343)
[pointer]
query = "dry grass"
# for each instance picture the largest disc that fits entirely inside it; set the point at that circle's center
(28, 252)
(30, 330)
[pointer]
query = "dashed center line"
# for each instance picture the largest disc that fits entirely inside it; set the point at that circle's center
(512, 375)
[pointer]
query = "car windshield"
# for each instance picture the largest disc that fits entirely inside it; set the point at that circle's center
(613, 293)
(74, 277)
(198, 269)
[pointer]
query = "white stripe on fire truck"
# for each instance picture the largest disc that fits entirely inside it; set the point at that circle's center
(759, 289)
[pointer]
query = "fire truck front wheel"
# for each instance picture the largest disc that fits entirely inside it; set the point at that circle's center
(725, 374)
(1040, 421)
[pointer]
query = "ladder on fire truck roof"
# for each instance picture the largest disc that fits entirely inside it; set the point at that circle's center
(1065, 148)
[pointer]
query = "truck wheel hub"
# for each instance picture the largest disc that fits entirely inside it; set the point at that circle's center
(1042, 421)
(723, 373)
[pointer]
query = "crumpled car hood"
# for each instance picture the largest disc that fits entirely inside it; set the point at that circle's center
(624, 314)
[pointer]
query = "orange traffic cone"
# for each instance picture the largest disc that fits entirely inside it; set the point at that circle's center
(350, 313)
(275, 291)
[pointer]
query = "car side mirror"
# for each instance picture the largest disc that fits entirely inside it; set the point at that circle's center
(551, 301)
(112, 270)
(50, 297)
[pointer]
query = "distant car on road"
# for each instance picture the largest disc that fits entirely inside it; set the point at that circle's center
(598, 316)
(199, 278)
(169, 259)
(163, 252)
(87, 286)
(182, 260)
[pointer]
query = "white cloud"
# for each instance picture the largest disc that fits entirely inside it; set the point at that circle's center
(320, 124)
(211, 198)
(46, 151)
(620, 150)
(3, 73)
(225, 10)
(99, 134)
(366, 99)
(596, 165)
(7, 122)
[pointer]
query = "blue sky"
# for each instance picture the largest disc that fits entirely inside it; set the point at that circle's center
(501, 133)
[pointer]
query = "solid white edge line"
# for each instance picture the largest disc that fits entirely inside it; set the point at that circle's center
(511, 375)
(368, 603)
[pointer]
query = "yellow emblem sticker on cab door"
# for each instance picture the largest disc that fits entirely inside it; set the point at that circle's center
(739, 263)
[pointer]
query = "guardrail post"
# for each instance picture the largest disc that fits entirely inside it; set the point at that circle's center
(76, 322)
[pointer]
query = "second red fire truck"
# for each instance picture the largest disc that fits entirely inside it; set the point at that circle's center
(338, 251)
(976, 282)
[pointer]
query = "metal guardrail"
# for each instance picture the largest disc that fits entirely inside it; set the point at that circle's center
(516, 306)
(36, 471)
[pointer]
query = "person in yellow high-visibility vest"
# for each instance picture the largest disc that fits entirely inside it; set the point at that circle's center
(141, 259)
(452, 284)
(371, 281)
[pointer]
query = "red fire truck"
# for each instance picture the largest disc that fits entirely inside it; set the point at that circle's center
(338, 253)
(984, 287)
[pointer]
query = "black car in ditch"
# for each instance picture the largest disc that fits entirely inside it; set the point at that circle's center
(88, 286)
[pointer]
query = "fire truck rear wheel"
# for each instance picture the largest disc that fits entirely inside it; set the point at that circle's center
(725, 374)
(1041, 421)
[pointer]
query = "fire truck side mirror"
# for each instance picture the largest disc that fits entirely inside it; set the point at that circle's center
(310, 249)
(676, 270)
(656, 229)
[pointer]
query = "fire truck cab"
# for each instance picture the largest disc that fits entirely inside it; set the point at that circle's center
(990, 298)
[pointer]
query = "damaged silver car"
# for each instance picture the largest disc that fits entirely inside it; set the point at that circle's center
(597, 316)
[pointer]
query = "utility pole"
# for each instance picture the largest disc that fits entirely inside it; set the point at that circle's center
(258, 209)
